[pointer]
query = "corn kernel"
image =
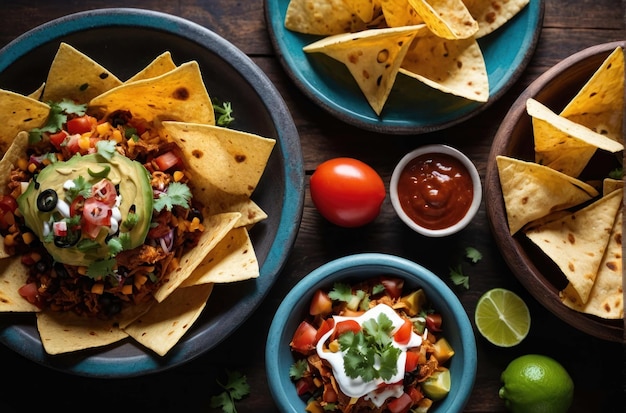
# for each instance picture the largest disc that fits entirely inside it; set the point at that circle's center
(103, 128)
(139, 280)
(334, 346)
(97, 288)
(127, 289)
(22, 163)
(32, 168)
(83, 142)
(117, 136)
(9, 240)
(28, 237)
(178, 176)
(82, 270)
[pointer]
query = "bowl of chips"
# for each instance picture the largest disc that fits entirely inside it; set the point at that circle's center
(188, 90)
(404, 67)
(554, 186)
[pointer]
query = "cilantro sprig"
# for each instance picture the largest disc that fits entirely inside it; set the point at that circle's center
(56, 118)
(456, 273)
(224, 113)
(370, 353)
(177, 194)
(354, 299)
(235, 388)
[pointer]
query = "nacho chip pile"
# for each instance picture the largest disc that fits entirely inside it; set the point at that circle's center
(225, 167)
(433, 41)
(574, 223)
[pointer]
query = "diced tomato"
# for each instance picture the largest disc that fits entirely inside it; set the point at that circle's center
(412, 360)
(72, 144)
(401, 404)
(393, 286)
(343, 327)
(433, 322)
(304, 386)
(104, 191)
(403, 335)
(58, 138)
(303, 340)
(329, 395)
(59, 229)
(96, 212)
(326, 326)
(167, 160)
(81, 125)
(8, 203)
(321, 304)
(416, 394)
(76, 207)
(29, 292)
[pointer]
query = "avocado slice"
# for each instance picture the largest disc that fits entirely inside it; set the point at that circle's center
(132, 181)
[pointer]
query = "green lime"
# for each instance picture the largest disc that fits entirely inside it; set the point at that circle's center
(535, 383)
(502, 317)
(437, 386)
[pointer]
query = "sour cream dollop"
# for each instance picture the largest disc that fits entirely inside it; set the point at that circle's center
(357, 387)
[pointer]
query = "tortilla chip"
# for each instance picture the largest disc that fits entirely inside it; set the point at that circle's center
(373, 57)
(452, 66)
(12, 277)
(609, 185)
(219, 202)
(230, 160)
(159, 66)
(231, 260)
(362, 8)
(449, 19)
(37, 93)
(492, 15)
(215, 229)
(179, 95)
(599, 105)
(578, 241)
(165, 323)
(606, 299)
(321, 17)
(532, 191)
(562, 144)
(10, 158)
(19, 113)
(64, 332)
(400, 13)
(75, 76)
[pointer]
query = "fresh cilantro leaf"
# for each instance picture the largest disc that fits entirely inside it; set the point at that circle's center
(370, 353)
(297, 369)
(57, 117)
(124, 238)
(377, 289)
(101, 269)
(115, 246)
(330, 407)
(106, 148)
(341, 292)
(81, 187)
(224, 113)
(131, 220)
(473, 254)
(177, 193)
(236, 388)
(458, 278)
(616, 173)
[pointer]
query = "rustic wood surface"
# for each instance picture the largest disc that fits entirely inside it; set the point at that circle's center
(596, 366)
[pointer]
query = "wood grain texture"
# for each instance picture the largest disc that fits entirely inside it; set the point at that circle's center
(595, 365)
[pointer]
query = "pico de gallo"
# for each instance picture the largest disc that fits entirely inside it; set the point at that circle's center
(369, 347)
(99, 210)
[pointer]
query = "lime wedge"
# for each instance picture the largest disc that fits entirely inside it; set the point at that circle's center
(437, 386)
(502, 317)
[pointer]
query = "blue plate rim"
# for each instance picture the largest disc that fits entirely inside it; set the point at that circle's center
(287, 140)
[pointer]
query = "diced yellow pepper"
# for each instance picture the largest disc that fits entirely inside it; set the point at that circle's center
(443, 350)
(314, 407)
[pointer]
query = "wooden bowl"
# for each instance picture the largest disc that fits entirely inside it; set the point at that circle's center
(539, 275)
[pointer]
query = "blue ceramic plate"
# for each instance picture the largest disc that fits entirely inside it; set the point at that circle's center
(105, 35)
(412, 107)
(457, 328)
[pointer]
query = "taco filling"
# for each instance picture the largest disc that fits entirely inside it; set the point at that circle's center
(103, 212)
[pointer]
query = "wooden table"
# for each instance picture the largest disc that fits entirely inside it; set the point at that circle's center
(596, 366)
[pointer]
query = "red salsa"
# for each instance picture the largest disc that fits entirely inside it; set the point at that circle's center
(435, 190)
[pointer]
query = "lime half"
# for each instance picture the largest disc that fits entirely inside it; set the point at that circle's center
(502, 317)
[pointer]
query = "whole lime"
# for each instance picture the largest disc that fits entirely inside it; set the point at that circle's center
(535, 383)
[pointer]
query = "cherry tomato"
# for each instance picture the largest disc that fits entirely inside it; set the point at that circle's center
(58, 138)
(403, 335)
(347, 192)
(8, 203)
(167, 161)
(343, 327)
(81, 125)
(326, 326)
(320, 303)
(433, 322)
(393, 286)
(29, 292)
(104, 191)
(411, 362)
(303, 340)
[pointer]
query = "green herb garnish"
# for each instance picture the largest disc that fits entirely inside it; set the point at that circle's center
(177, 194)
(224, 113)
(236, 388)
(56, 119)
(369, 353)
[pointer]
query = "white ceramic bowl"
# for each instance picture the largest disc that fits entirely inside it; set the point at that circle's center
(473, 207)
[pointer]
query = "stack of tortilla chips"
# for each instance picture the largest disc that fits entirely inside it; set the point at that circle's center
(578, 226)
(225, 166)
(431, 41)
